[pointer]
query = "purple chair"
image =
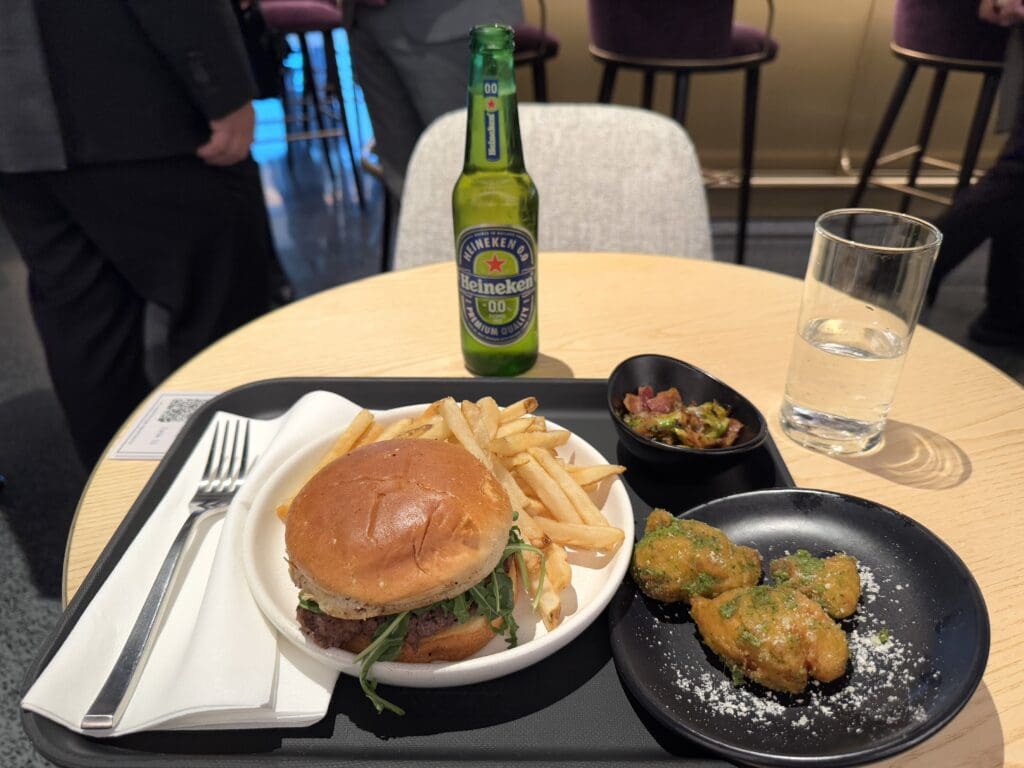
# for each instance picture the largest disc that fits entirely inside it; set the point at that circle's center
(947, 36)
(300, 17)
(684, 37)
(534, 46)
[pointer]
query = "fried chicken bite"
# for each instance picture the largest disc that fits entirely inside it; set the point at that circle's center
(679, 559)
(833, 582)
(773, 635)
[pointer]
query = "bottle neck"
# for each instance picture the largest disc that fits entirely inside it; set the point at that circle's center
(492, 136)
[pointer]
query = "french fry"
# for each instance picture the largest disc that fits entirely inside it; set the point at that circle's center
(533, 532)
(393, 429)
(514, 427)
(490, 413)
(518, 408)
(413, 432)
(603, 538)
(585, 508)
(461, 430)
(471, 411)
(436, 430)
(556, 566)
(513, 444)
(549, 605)
(538, 424)
(548, 491)
(343, 444)
(426, 417)
(586, 476)
(371, 435)
(535, 508)
(515, 461)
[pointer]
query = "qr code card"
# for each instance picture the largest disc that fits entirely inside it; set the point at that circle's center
(153, 432)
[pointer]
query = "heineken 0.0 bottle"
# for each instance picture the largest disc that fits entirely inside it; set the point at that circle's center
(494, 204)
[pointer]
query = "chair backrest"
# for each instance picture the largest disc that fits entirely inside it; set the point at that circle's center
(610, 178)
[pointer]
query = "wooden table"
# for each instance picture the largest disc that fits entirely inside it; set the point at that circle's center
(953, 458)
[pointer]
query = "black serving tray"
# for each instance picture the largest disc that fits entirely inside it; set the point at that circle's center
(570, 709)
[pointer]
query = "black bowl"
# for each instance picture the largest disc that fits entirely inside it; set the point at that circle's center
(696, 386)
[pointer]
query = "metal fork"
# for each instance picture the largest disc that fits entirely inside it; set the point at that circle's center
(226, 469)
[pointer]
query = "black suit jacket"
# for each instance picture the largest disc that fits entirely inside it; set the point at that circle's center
(141, 79)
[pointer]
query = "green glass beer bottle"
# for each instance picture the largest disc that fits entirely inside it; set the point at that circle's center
(494, 205)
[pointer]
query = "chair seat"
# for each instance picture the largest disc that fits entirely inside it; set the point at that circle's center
(301, 15)
(533, 42)
(747, 40)
(949, 29)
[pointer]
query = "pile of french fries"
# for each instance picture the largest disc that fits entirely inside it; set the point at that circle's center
(552, 498)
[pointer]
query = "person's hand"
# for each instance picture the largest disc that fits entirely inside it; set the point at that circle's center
(230, 137)
(1005, 13)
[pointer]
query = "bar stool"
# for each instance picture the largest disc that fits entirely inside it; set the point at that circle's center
(946, 36)
(300, 17)
(534, 46)
(685, 37)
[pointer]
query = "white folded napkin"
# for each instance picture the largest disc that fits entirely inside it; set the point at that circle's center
(217, 662)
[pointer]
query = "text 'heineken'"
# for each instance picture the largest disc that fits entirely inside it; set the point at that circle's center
(494, 204)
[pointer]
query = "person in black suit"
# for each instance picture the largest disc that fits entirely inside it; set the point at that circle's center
(125, 179)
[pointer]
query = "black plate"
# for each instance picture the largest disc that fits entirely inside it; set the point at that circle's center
(895, 694)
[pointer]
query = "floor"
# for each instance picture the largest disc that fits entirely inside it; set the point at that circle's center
(323, 239)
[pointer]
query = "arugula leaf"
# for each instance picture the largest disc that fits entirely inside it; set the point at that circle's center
(460, 608)
(386, 645)
(309, 604)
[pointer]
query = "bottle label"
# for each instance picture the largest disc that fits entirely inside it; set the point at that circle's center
(497, 283)
(492, 120)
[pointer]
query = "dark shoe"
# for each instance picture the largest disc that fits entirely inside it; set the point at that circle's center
(985, 330)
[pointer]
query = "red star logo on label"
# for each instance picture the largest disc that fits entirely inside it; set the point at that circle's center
(495, 264)
(490, 104)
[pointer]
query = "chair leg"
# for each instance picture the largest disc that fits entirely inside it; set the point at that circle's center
(648, 97)
(307, 84)
(681, 97)
(925, 133)
(986, 98)
(385, 239)
(749, 131)
(307, 74)
(333, 87)
(335, 91)
(540, 81)
(888, 120)
(286, 108)
(607, 83)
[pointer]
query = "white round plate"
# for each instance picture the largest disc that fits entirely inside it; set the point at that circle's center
(594, 580)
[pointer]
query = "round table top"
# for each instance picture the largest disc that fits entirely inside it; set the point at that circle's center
(953, 458)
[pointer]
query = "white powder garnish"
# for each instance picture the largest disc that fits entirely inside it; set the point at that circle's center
(874, 695)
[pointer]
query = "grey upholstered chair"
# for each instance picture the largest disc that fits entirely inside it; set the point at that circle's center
(610, 178)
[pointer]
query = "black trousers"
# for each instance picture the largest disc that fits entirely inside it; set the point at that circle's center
(992, 209)
(102, 241)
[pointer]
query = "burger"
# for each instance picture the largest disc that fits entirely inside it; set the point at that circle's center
(404, 550)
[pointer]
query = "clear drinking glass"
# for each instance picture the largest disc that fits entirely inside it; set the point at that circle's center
(863, 291)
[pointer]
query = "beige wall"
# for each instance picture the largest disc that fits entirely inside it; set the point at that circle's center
(826, 91)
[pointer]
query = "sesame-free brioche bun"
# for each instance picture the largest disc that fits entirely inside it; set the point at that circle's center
(394, 526)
